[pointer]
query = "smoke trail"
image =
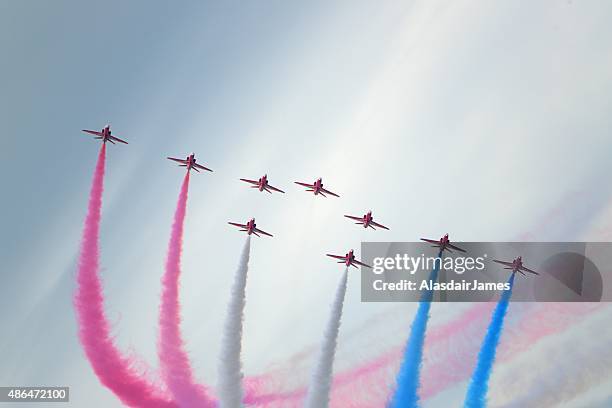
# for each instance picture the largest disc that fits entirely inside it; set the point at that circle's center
(547, 374)
(320, 383)
(174, 361)
(264, 389)
(479, 384)
(532, 331)
(113, 369)
(407, 382)
(230, 362)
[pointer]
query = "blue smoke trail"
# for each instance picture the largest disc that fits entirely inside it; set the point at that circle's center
(407, 381)
(479, 384)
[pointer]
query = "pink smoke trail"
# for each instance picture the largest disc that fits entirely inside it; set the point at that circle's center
(174, 361)
(114, 370)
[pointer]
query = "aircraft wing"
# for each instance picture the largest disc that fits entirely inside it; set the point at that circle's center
(528, 270)
(503, 262)
(431, 241)
(455, 248)
(336, 256)
(237, 225)
(329, 192)
(250, 181)
(92, 132)
(378, 225)
(117, 139)
(177, 160)
(354, 218)
(304, 184)
(275, 189)
(199, 166)
(361, 263)
(263, 232)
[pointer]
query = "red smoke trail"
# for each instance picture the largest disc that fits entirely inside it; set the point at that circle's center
(114, 370)
(174, 361)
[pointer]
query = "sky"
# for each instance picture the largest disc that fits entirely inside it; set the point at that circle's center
(486, 120)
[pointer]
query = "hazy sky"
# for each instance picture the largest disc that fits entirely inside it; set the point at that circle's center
(487, 120)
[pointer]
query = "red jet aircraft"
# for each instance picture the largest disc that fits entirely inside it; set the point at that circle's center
(367, 221)
(105, 135)
(190, 163)
(348, 259)
(262, 184)
(444, 244)
(250, 227)
(317, 188)
(516, 266)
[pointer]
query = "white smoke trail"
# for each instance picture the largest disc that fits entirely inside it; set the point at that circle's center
(230, 362)
(597, 396)
(557, 369)
(320, 382)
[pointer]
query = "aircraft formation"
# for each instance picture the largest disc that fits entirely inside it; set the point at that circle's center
(262, 184)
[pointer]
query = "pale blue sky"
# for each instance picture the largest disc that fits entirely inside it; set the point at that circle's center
(485, 120)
